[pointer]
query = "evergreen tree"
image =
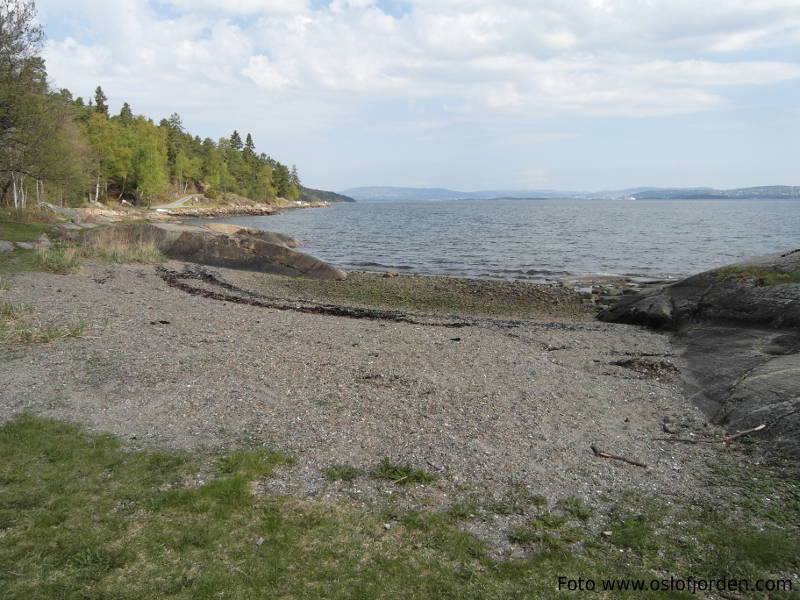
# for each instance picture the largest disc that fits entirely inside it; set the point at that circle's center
(100, 101)
(236, 140)
(126, 114)
(249, 145)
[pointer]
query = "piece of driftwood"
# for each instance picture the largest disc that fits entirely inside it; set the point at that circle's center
(722, 440)
(622, 458)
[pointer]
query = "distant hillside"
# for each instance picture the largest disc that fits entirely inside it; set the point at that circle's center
(312, 195)
(399, 194)
(765, 192)
(410, 194)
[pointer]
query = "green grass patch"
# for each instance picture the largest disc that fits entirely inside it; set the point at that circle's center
(760, 276)
(401, 474)
(252, 464)
(575, 508)
(342, 472)
(80, 517)
(17, 261)
(14, 231)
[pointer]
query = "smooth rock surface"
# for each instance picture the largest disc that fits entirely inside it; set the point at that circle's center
(740, 340)
(208, 247)
(6, 246)
(272, 237)
(727, 294)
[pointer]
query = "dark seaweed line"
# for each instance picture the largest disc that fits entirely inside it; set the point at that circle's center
(176, 280)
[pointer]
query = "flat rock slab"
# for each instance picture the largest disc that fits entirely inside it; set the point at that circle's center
(745, 377)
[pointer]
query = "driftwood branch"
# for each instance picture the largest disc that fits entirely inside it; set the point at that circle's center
(621, 458)
(722, 440)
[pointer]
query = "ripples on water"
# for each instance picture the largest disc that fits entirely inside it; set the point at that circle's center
(541, 240)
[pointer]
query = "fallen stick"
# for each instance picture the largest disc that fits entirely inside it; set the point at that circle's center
(622, 458)
(723, 440)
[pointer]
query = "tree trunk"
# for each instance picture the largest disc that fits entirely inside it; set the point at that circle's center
(16, 195)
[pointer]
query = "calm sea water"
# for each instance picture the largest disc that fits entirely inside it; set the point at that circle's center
(541, 240)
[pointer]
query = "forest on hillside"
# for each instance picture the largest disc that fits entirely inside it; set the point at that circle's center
(59, 148)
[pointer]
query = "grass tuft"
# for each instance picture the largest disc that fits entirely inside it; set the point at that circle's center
(401, 474)
(252, 464)
(15, 328)
(60, 259)
(342, 472)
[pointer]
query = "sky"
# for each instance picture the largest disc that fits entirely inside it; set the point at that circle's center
(464, 94)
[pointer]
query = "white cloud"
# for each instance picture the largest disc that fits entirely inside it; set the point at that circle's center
(474, 58)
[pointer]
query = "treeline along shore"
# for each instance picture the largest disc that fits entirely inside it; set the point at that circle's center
(63, 149)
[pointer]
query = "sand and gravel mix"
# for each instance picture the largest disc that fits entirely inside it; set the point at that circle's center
(490, 407)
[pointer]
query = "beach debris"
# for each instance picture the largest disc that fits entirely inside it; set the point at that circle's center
(668, 428)
(652, 368)
(391, 274)
(722, 440)
(602, 454)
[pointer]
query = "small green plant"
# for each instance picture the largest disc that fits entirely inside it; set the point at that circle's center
(342, 472)
(401, 474)
(463, 511)
(517, 502)
(9, 311)
(575, 508)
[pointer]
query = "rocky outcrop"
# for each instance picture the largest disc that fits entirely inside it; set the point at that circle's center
(206, 246)
(224, 211)
(756, 292)
(272, 237)
(738, 331)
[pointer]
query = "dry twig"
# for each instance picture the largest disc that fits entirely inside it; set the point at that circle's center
(621, 458)
(722, 440)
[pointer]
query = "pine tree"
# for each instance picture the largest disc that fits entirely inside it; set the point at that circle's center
(126, 114)
(249, 145)
(100, 101)
(236, 140)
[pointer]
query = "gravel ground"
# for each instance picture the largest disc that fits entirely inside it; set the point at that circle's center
(489, 408)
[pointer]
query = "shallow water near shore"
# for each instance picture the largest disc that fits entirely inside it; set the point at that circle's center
(540, 240)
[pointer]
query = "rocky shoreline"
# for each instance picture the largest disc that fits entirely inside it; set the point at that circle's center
(738, 329)
(492, 386)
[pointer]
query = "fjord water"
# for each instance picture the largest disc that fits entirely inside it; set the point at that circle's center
(540, 240)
